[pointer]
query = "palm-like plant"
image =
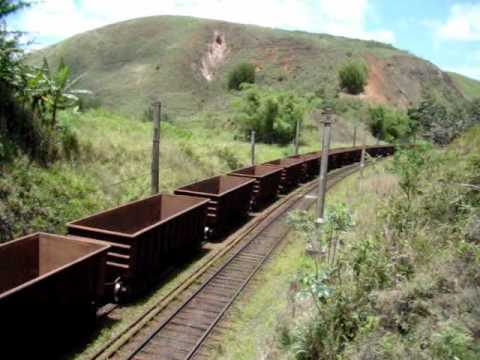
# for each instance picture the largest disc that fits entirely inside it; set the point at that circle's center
(60, 90)
(48, 92)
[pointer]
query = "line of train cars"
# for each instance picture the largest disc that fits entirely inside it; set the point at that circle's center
(50, 282)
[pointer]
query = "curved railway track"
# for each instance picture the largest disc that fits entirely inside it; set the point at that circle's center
(178, 329)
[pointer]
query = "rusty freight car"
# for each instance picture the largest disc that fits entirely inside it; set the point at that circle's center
(50, 287)
(147, 237)
(291, 173)
(311, 165)
(267, 183)
(380, 150)
(341, 157)
(229, 199)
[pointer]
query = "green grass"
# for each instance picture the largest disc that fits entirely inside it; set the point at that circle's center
(262, 317)
(469, 87)
(423, 303)
(114, 167)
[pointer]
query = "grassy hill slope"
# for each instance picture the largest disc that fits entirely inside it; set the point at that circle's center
(469, 87)
(131, 63)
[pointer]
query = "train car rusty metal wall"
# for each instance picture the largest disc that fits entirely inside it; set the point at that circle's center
(147, 236)
(229, 200)
(291, 173)
(267, 183)
(311, 165)
(50, 287)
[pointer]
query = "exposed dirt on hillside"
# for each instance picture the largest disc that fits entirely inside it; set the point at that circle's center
(214, 57)
(381, 85)
(399, 80)
(377, 87)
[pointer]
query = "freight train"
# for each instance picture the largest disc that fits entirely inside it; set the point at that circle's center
(117, 254)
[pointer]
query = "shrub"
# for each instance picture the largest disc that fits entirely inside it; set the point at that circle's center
(408, 164)
(353, 77)
(272, 114)
(229, 156)
(389, 125)
(242, 73)
(454, 343)
(89, 102)
(442, 122)
(70, 144)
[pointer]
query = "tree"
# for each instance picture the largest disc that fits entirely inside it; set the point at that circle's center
(409, 164)
(474, 111)
(9, 50)
(389, 125)
(30, 100)
(60, 94)
(10, 73)
(8, 7)
(242, 73)
(353, 76)
(442, 122)
(272, 114)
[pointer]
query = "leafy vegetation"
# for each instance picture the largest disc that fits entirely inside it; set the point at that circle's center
(390, 125)
(298, 61)
(353, 76)
(404, 282)
(111, 170)
(243, 73)
(33, 96)
(440, 121)
(272, 114)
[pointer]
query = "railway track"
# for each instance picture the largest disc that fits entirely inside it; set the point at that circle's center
(179, 334)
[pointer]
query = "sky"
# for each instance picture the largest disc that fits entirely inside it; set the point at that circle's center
(445, 32)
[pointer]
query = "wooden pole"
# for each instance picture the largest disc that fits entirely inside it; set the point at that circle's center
(297, 137)
(157, 112)
(252, 139)
(364, 151)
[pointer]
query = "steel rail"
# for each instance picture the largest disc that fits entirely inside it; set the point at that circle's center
(338, 175)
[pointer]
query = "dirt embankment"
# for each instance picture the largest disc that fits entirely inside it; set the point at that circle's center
(214, 57)
(377, 88)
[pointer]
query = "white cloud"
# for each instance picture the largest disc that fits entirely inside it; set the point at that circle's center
(463, 23)
(347, 18)
(57, 19)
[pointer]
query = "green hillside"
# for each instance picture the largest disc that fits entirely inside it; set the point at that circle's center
(184, 62)
(469, 87)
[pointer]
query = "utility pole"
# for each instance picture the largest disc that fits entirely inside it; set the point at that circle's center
(252, 140)
(364, 152)
(157, 112)
(355, 136)
(297, 137)
(322, 188)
